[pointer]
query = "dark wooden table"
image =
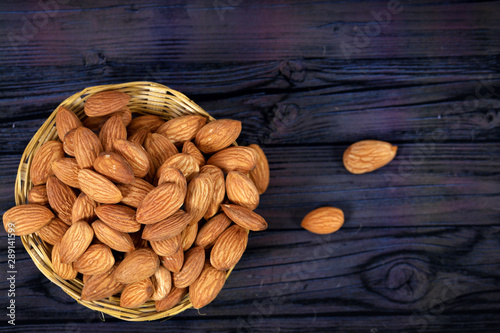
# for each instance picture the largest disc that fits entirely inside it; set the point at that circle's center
(419, 251)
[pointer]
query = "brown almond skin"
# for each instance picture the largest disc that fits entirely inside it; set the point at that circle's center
(229, 248)
(118, 217)
(166, 247)
(219, 189)
(117, 240)
(193, 265)
(83, 209)
(188, 236)
(138, 265)
(114, 167)
(168, 228)
(41, 165)
(66, 170)
(53, 232)
(96, 260)
(26, 219)
(159, 148)
(38, 195)
(182, 129)
(65, 271)
(135, 192)
(217, 135)
(172, 175)
(241, 190)
(324, 220)
(174, 262)
(160, 203)
(113, 129)
(368, 155)
(61, 198)
(75, 241)
(260, 175)
(174, 297)
(190, 149)
(139, 137)
(200, 192)
(98, 187)
(66, 121)
(162, 283)
(206, 288)
(101, 286)
(69, 143)
(87, 147)
(240, 159)
(105, 102)
(149, 122)
(185, 163)
(135, 155)
(136, 294)
(244, 217)
(211, 230)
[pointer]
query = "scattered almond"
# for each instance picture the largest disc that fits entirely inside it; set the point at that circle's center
(368, 155)
(324, 220)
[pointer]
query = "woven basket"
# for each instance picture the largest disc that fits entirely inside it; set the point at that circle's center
(146, 98)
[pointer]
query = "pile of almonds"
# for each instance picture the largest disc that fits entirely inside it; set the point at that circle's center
(145, 208)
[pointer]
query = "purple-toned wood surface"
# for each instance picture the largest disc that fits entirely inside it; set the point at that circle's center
(419, 249)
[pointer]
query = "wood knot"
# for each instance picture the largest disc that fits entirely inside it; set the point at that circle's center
(293, 71)
(285, 114)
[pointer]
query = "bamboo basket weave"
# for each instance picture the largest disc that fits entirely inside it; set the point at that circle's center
(146, 98)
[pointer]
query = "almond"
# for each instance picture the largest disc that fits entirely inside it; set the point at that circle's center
(200, 193)
(207, 286)
(140, 136)
(87, 147)
(96, 260)
(95, 123)
(61, 198)
(38, 195)
(114, 167)
(160, 203)
(75, 241)
(134, 193)
(83, 209)
(240, 159)
(118, 217)
(125, 114)
(172, 175)
(66, 170)
(162, 283)
(26, 219)
(168, 228)
(166, 247)
(174, 297)
(135, 155)
(105, 102)
(66, 121)
(184, 162)
(191, 269)
(69, 142)
(101, 286)
(229, 248)
(324, 220)
(136, 294)
(211, 230)
(138, 265)
(217, 135)
(244, 217)
(241, 190)
(190, 149)
(159, 148)
(113, 129)
(98, 187)
(117, 240)
(53, 232)
(182, 129)
(188, 236)
(41, 165)
(368, 155)
(65, 271)
(219, 189)
(148, 122)
(174, 262)
(260, 175)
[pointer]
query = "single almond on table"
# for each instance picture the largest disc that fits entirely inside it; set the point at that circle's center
(66, 121)
(83, 209)
(244, 217)
(65, 271)
(53, 232)
(159, 148)
(136, 294)
(61, 198)
(118, 217)
(167, 247)
(75, 241)
(117, 240)
(187, 164)
(240, 159)
(105, 102)
(113, 129)
(114, 167)
(217, 135)
(368, 155)
(135, 192)
(137, 265)
(241, 190)
(174, 297)
(174, 262)
(260, 175)
(162, 283)
(38, 195)
(41, 165)
(66, 170)
(190, 149)
(229, 248)
(134, 154)
(188, 236)
(87, 147)
(101, 286)
(149, 122)
(219, 189)
(200, 192)
(26, 219)
(182, 129)
(96, 260)
(160, 203)
(211, 230)
(206, 288)
(193, 265)
(168, 228)
(324, 220)
(98, 187)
